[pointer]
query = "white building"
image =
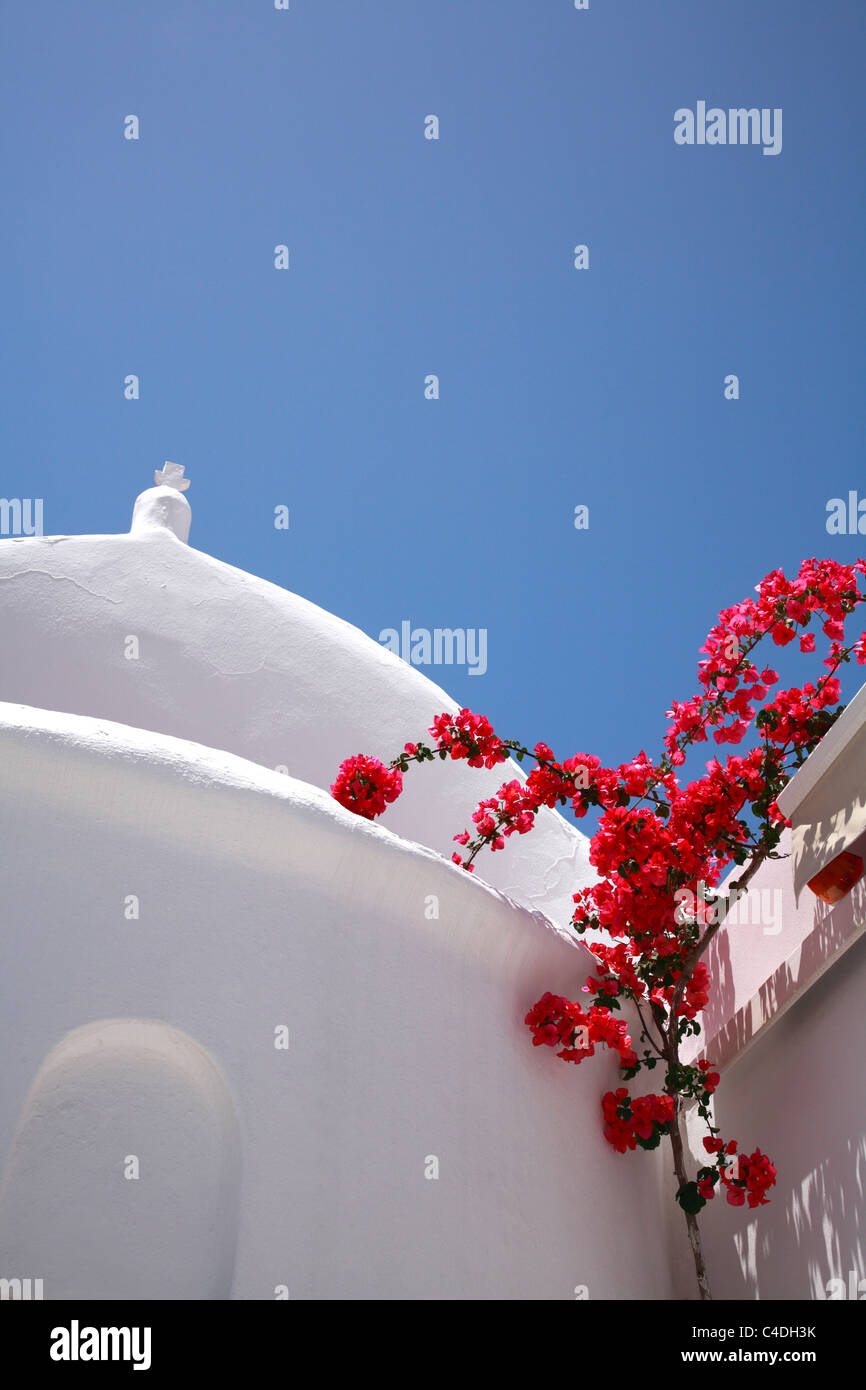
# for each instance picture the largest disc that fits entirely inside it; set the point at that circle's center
(256, 1047)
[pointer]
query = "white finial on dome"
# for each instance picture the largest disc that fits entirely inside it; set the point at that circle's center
(164, 507)
(172, 476)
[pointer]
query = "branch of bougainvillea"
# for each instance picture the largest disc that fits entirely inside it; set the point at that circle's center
(715, 703)
(843, 654)
(714, 699)
(644, 859)
(698, 949)
(574, 779)
(780, 624)
(420, 752)
(789, 610)
(677, 1148)
(657, 1046)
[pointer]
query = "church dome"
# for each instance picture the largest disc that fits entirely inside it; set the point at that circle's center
(143, 630)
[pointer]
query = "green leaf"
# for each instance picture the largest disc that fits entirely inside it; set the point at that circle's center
(653, 1142)
(690, 1198)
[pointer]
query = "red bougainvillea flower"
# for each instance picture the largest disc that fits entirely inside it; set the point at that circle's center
(556, 1021)
(749, 1179)
(760, 1175)
(662, 848)
(696, 992)
(366, 786)
(711, 1078)
(628, 1120)
(470, 736)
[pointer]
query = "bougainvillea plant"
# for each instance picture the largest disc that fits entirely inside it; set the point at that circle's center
(660, 851)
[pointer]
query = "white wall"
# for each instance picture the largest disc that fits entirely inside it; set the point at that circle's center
(263, 903)
(768, 955)
(797, 1094)
(231, 661)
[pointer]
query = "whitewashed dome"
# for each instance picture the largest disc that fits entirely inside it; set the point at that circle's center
(234, 662)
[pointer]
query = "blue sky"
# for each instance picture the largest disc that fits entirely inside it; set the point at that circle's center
(408, 256)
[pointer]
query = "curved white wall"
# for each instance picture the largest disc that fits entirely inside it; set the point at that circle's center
(264, 904)
(231, 661)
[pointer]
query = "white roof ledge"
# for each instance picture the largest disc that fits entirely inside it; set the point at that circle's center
(836, 929)
(851, 722)
(825, 800)
(763, 969)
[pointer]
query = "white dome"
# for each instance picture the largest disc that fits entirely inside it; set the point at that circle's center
(231, 661)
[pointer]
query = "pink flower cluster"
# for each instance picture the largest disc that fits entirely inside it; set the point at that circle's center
(557, 1022)
(731, 682)
(696, 993)
(629, 1120)
(470, 736)
(747, 1179)
(366, 786)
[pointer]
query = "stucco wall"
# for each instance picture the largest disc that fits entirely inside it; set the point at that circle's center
(224, 658)
(797, 1094)
(262, 903)
(768, 954)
